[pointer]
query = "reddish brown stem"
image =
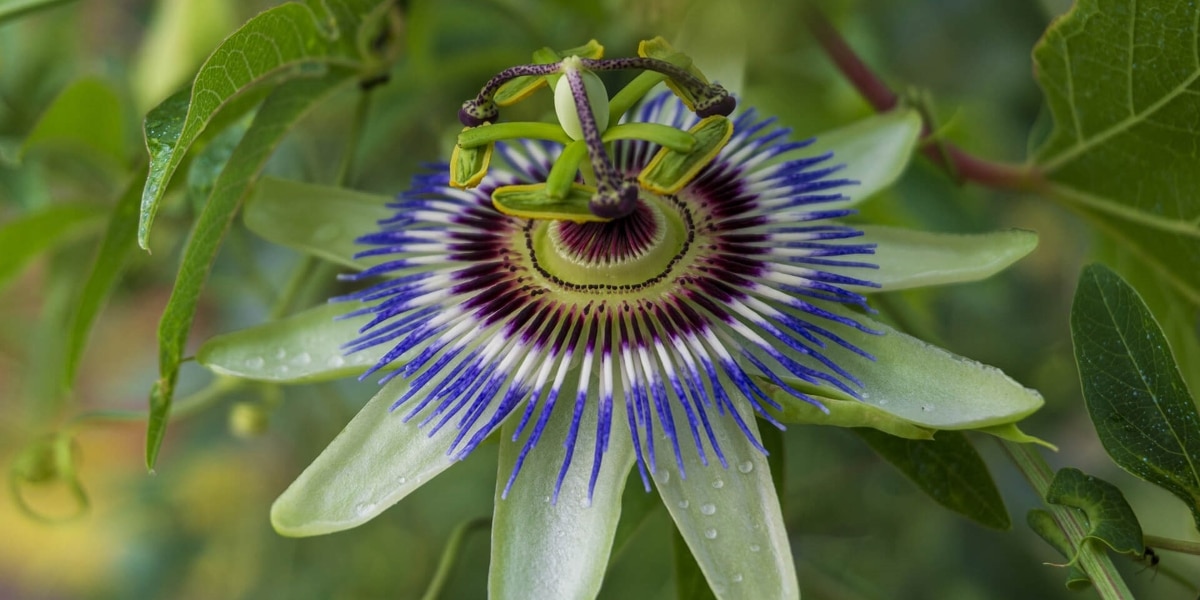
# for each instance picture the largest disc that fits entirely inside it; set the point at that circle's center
(959, 163)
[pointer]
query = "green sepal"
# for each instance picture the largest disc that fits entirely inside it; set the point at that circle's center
(519, 88)
(1011, 433)
(534, 202)
(669, 171)
(469, 165)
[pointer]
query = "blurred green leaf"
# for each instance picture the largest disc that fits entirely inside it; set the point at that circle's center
(1137, 399)
(1121, 81)
(909, 259)
(949, 469)
(547, 547)
(875, 151)
(728, 514)
(179, 36)
(689, 579)
(304, 347)
(279, 112)
(377, 460)
(119, 241)
(14, 9)
(1110, 519)
(1043, 524)
(285, 42)
(316, 219)
(87, 115)
(28, 235)
(921, 383)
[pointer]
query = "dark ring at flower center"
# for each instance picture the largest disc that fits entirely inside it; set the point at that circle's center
(625, 254)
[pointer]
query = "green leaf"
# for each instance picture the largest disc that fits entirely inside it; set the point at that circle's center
(949, 469)
(119, 241)
(15, 9)
(909, 259)
(1043, 524)
(875, 151)
(842, 413)
(285, 42)
(28, 235)
(923, 384)
(281, 110)
(377, 460)
(87, 115)
(316, 219)
(689, 579)
(1110, 519)
(1139, 404)
(729, 517)
(208, 163)
(1121, 80)
(543, 548)
(304, 347)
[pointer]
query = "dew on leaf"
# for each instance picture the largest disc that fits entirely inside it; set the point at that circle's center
(708, 509)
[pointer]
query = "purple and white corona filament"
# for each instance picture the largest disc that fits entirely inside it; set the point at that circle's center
(690, 303)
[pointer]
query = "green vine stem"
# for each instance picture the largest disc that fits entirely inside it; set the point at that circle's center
(1172, 544)
(1094, 561)
(959, 163)
(453, 547)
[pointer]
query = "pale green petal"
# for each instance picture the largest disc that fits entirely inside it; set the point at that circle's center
(730, 518)
(909, 259)
(372, 464)
(875, 151)
(842, 413)
(304, 347)
(923, 384)
(560, 550)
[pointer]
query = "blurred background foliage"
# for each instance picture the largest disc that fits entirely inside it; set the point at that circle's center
(198, 527)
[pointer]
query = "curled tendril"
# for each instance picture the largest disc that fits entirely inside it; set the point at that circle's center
(48, 460)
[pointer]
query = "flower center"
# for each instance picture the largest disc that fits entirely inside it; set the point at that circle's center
(623, 254)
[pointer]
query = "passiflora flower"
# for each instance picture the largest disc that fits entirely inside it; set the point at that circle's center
(645, 281)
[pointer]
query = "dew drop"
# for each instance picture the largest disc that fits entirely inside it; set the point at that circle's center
(708, 509)
(882, 402)
(283, 369)
(746, 467)
(364, 508)
(402, 480)
(303, 358)
(336, 360)
(280, 353)
(683, 504)
(585, 502)
(666, 477)
(718, 483)
(710, 533)
(254, 362)
(755, 547)
(737, 578)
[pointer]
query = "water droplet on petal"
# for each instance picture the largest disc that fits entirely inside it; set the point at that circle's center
(254, 362)
(718, 483)
(303, 358)
(708, 509)
(280, 353)
(737, 578)
(710, 533)
(402, 480)
(364, 508)
(336, 360)
(755, 547)
(683, 504)
(746, 467)
(665, 476)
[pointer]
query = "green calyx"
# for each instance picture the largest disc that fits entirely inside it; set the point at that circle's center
(586, 125)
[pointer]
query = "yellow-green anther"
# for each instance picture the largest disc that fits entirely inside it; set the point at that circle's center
(533, 202)
(495, 132)
(663, 135)
(566, 168)
(669, 171)
(468, 166)
(520, 88)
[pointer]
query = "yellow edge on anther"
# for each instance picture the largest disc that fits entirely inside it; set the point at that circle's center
(699, 163)
(478, 172)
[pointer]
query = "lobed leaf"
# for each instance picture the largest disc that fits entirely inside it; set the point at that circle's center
(1121, 81)
(949, 469)
(1138, 402)
(279, 112)
(288, 41)
(1110, 519)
